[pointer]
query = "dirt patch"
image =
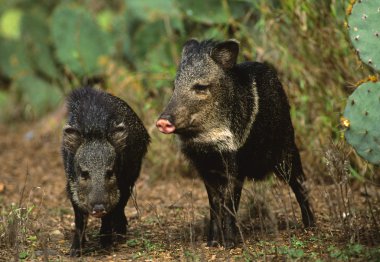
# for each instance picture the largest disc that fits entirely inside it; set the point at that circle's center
(168, 217)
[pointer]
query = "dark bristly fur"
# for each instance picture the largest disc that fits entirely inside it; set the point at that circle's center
(233, 122)
(103, 145)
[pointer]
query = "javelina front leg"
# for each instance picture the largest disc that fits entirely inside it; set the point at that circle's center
(215, 226)
(224, 204)
(79, 235)
(106, 231)
(224, 192)
(119, 223)
(113, 222)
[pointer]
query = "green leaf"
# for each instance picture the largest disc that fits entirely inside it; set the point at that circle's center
(32, 238)
(4, 97)
(14, 60)
(355, 249)
(152, 54)
(220, 13)
(115, 25)
(35, 34)
(132, 242)
(201, 11)
(152, 10)
(5, 104)
(23, 255)
(215, 33)
(296, 253)
(39, 95)
(334, 252)
(105, 20)
(10, 23)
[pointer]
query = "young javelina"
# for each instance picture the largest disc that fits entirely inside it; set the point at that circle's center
(103, 144)
(233, 122)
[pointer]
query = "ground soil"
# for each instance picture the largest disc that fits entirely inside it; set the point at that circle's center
(168, 216)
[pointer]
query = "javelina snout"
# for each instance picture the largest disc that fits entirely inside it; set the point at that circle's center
(165, 124)
(174, 119)
(98, 210)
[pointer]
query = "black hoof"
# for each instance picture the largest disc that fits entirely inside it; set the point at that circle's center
(106, 241)
(75, 252)
(309, 223)
(229, 244)
(120, 238)
(212, 243)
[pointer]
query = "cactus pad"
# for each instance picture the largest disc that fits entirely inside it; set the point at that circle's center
(80, 43)
(362, 116)
(14, 61)
(34, 27)
(364, 30)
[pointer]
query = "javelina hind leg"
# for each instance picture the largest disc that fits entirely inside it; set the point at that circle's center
(290, 169)
(302, 198)
(79, 235)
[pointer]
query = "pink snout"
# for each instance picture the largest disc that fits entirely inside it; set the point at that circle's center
(98, 211)
(165, 126)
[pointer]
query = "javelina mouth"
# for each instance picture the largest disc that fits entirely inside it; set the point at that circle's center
(188, 132)
(98, 214)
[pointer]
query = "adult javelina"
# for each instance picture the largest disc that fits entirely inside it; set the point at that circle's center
(233, 122)
(103, 145)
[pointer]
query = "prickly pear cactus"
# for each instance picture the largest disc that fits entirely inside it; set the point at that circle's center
(14, 60)
(36, 38)
(362, 118)
(362, 114)
(364, 30)
(80, 43)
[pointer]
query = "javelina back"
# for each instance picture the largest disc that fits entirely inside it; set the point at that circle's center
(103, 144)
(233, 122)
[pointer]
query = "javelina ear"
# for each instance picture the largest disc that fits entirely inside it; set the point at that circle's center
(188, 46)
(225, 53)
(118, 136)
(71, 138)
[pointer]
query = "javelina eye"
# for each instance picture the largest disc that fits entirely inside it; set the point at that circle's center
(201, 89)
(85, 175)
